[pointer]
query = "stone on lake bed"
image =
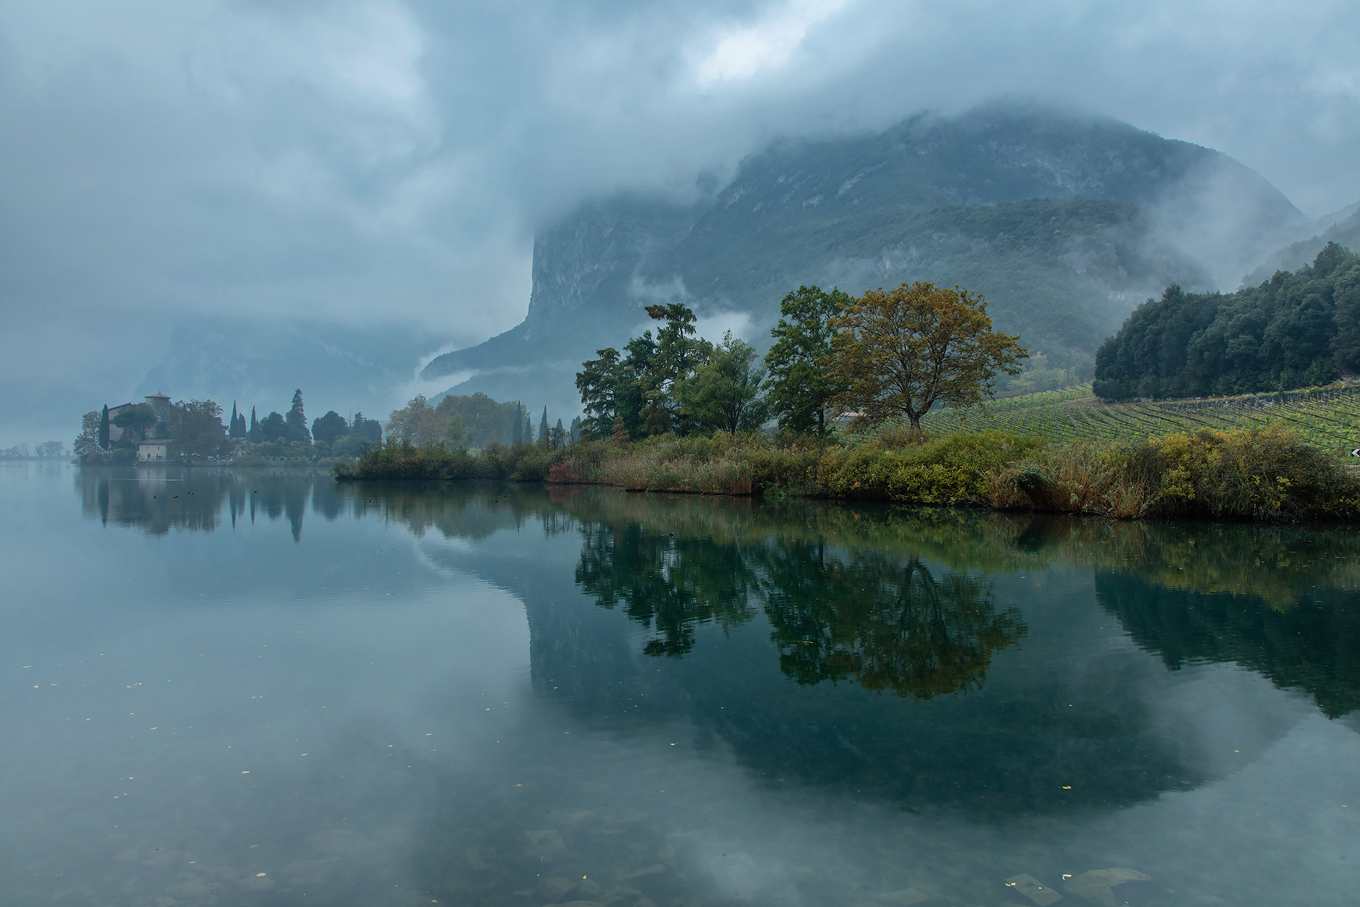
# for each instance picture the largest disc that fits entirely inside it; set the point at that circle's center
(1098, 884)
(1031, 888)
(546, 843)
(904, 898)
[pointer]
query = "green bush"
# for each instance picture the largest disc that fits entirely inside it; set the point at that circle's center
(954, 469)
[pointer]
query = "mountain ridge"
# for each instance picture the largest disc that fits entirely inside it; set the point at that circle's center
(1064, 222)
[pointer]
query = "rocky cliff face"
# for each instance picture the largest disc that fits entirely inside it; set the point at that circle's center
(1064, 222)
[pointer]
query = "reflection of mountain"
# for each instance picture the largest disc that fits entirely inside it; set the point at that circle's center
(1313, 646)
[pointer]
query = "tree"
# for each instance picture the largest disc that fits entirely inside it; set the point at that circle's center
(485, 420)
(136, 421)
(415, 422)
(901, 352)
(255, 434)
(543, 427)
(676, 355)
(801, 386)
(557, 436)
(329, 427)
(455, 432)
(723, 394)
(297, 420)
(88, 440)
(597, 382)
(236, 428)
(638, 385)
(273, 428)
(50, 449)
(104, 428)
(574, 433)
(196, 429)
(366, 429)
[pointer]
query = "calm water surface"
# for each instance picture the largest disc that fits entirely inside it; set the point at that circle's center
(260, 688)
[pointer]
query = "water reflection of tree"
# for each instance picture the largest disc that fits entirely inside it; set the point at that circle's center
(885, 624)
(1311, 645)
(666, 583)
(862, 616)
(156, 499)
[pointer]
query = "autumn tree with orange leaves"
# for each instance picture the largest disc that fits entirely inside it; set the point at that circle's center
(900, 352)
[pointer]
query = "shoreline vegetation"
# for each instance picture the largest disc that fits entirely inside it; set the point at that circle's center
(672, 412)
(1268, 475)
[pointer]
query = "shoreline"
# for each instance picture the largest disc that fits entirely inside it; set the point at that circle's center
(1254, 475)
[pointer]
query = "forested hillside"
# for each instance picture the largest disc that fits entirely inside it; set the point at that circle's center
(1294, 330)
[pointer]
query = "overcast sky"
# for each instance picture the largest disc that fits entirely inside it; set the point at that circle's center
(388, 162)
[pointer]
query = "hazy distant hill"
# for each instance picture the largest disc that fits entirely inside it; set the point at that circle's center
(1342, 228)
(260, 364)
(1063, 221)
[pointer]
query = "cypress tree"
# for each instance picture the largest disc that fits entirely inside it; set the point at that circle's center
(517, 425)
(254, 433)
(104, 428)
(297, 420)
(543, 426)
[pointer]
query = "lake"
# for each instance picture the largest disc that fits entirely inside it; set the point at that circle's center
(258, 687)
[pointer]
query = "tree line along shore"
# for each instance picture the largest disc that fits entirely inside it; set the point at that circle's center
(852, 383)
(891, 396)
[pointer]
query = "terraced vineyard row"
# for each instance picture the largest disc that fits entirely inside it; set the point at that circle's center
(1328, 417)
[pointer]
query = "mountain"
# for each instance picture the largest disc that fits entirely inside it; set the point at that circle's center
(1341, 227)
(1063, 221)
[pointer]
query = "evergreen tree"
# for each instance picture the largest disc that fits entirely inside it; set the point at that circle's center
(297, 420)
(575, 432)
(1294, 330)
(517, 425)
(254, 433)
(237, 427)
(801, 386)
(543, 426)
(104, 428)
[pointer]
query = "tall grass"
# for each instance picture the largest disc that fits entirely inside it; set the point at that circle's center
(1261, 474)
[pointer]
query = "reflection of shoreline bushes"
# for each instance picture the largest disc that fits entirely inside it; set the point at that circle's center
(1264, 475)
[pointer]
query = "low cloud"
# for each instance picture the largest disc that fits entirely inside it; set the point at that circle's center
(377, 162)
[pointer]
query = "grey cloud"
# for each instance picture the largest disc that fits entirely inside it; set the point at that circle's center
(387, 163)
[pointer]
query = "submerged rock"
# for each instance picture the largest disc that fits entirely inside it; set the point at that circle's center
(1098, 884)
(546, 844)
(1031, 888)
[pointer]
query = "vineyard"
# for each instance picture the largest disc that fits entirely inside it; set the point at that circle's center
(1327, 417)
